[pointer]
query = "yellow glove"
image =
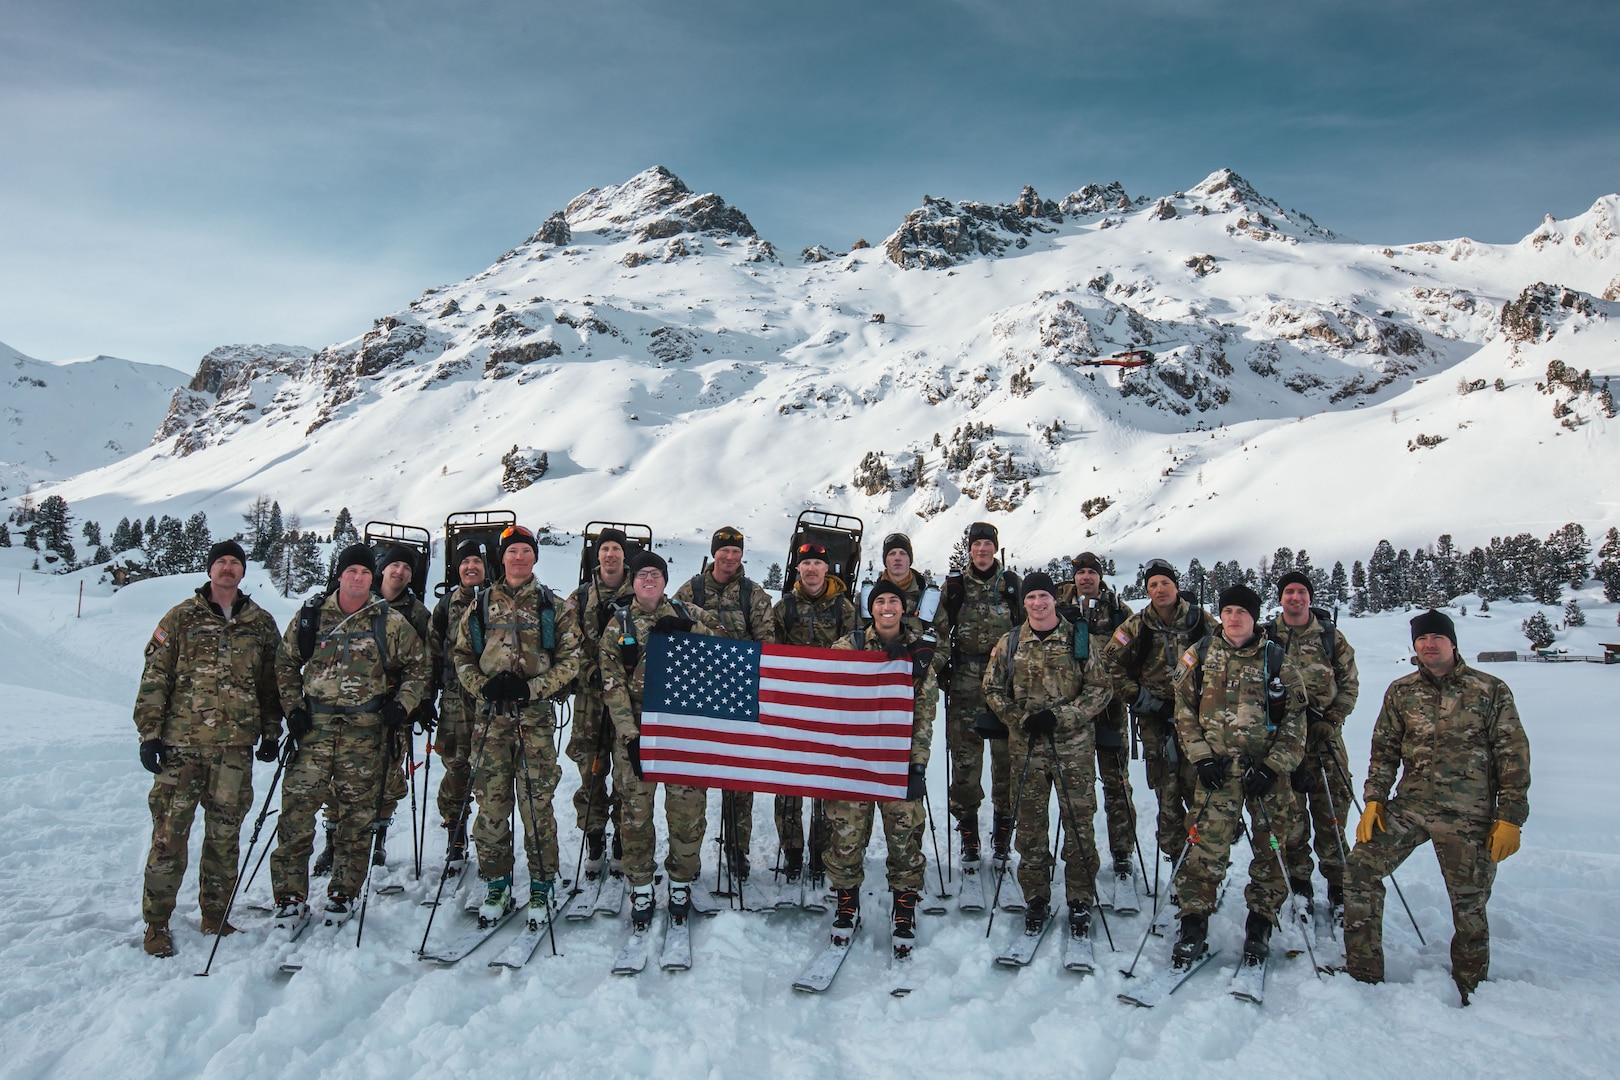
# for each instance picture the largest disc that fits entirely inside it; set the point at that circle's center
(1502, 840)
(1371, 818)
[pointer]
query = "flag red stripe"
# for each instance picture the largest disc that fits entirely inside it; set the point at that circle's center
(835, 678)
(835, 704)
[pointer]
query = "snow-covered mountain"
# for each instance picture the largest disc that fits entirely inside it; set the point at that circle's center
(1301, 388)
(62, 419)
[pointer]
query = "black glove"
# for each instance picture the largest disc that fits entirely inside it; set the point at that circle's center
(1040, 724)
(632, 750)
(1147, 703)
(1212, 774)
(1276, 700)
(1321, 732)
(425, 718)
(986, 726)
(152, 754)
(506, 688)
(916, 784)
(1110, 738)
(922, 658)
(673, 624)
(955, 591)
(300, 723)
(897, 651)
(1070, 613)
(394, 713)
(1258, 780)
(1302, 779)
(267, 748)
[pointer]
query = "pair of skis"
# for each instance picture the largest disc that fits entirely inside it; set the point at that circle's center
(675, 954)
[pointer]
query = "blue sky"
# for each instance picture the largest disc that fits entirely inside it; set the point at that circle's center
(179, 175)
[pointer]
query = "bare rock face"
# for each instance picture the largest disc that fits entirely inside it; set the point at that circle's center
(940, 234)
(1260, 218)
(1096, 199)
(220, 394)
(387, 344)
(654, 205)
(555, 231)
(521, 468)
(818, 253)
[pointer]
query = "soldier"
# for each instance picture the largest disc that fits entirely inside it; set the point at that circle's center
(816, 612)
(623, 664)
(1454, 733)
(207, 691)
(1141, 661)
(1321, 782)
(516, 646)
(849, 824)
(1087, 600)
(1240, 719)
(1049, 697)
(980, 606)
(457, 708)
(590, 743)
(921, 598)
(743, 610)
(353, 669)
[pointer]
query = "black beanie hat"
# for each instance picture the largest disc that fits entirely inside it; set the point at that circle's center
(725, 536)
(1160, 568)
(398, 553)
(1241, 596)
(355, 555)
(652, 559)
(983, 530)
(1088, 560)
(469, 548)
(1294, 577)
(615, 535)
(517, 534)
(1038, 581)
(223, 548)
(1434, 622)
(884, 586)
(897, 540)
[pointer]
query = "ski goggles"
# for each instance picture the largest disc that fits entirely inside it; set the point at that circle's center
(811, 550)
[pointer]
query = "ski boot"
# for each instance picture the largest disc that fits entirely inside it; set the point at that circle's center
(323, 861)
(339, 908)
(792, 863)
(1335, 899)
(1256, 939)
(737, 863)
(1001, 838)
(1079, 920)
(680, 901)
(846, 916)
(1192, 942)
(1124, 872)
(539, 901)
(216, 924)
(641, 908)
(1306, 905)
(455, 852)
(1036, 909)
(595, 854)
(379, 845)
(968, 826)
(159, 942)
(497, 900)
(290, 911)
(905, 922)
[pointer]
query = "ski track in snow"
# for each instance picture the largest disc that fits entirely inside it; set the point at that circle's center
(80, 998)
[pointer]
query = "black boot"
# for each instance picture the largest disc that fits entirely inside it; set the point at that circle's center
(1001, 837)
(1079, 920)
(1257, 937)
(968, 826)
(379, 846)
(618, 846)
(455, 847)
(1301, 887)
(595, 853)
(846, 915)
(905, 913)
(1035, 912)
(323, 861)
(737, 862)
(1335, 899)
(792, 863)
(1192, 941)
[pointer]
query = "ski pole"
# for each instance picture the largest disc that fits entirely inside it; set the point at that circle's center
(938, 866)
(1333, 811)
(289, 751)
(1001, 870)
(1357, 804)
(389, 740)
(1192, 841)
(531, 829)
(1063, 793)
(950, 777)
(416, 835)
(461, 825)
(427, 773)
(1282, 868)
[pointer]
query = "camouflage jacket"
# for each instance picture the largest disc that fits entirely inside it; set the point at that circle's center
(1331, 682)
(799, 620)
(1458, 743)
(724, 602)
(969, 635)
(346, 669)
(210, 680)
(447, 615)
(1227, 716)
(590, 603)
(1045, 675)
(512, 642)
(421, 619)
(1132, 663)
(622, 688)
(925, 690)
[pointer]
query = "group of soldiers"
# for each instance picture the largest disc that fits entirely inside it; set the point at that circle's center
(1059, 680)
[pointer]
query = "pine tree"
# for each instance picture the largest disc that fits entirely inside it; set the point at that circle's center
(136, 538)
(151, 526)
(773, 576)
(52, 528)
(1382, 584)
(1423, 588)
(1569, 552)
(1338, 584)
(1608, 567)
(196, 542)
(1447, 570)
(257, 520)
(5, 535)
(274, 530)
(1538, 630)
(1360, 599)
(1573, 615)
(120, 536)
(92, 533)
(167, 546)
(1403, 579)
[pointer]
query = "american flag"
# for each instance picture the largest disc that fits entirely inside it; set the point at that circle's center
(831, 724)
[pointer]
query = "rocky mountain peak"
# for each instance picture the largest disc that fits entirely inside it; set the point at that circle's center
(940, 233)
(1096, 199)
(1225, 192)
(1592, 233)
(654, 205)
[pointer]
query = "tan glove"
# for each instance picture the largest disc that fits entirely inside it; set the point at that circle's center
(1371, 818)
(1502, 840)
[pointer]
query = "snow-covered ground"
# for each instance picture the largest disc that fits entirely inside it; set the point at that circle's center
(79, 998)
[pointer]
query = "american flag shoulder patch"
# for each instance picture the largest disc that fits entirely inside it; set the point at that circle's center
(1122, 637)
(1189, 659)
(160, 635)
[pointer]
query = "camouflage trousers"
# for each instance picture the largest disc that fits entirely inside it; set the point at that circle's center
(1199, 881)
(339, 764)
(685, 818)
(453, 740)
(1322, 811)
(849, 830)
(966, 792)
(519, 771)
(590, 742)
(1113, 768)
(1072, 775)
(1464, 864)
(221, 780)
(737, 819)
(1173, 780)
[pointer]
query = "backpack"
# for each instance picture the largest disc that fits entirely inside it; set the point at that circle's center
(629, 648)
(1196, 632)
(745, 593)
(1271, 667)
(1082, 648)
(309, 627)
(545, 602)
(791, 612)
